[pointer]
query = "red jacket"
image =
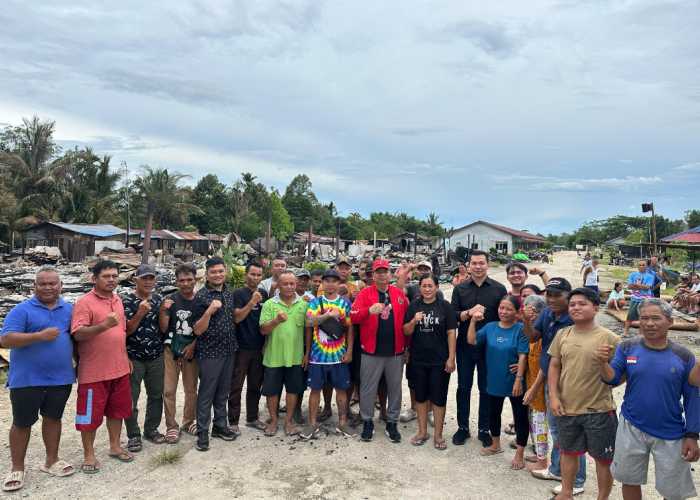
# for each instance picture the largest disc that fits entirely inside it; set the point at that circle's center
(369, 323)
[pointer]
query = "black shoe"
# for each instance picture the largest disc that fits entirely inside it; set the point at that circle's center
(223, 433)
(392, 432)
(461, 436)
(485, 438)
(368, 431)
(202, 441)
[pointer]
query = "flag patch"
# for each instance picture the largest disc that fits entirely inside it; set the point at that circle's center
(631, 360)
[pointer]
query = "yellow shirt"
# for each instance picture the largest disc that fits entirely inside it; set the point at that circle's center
(352, 287)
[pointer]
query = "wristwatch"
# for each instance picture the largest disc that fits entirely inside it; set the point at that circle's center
(543, 272)
(519, 376)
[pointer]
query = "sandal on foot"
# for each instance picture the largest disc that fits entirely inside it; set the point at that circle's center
(322, 417)
(258, 426)
(272, 428)
(14, 477)
(517, 465)
(438, 444)
(419, 440)
(191, 430)
(58, 469)
(154, 437)
(510, 429)
(94, 466)
(513, 444)
(486, 452)
(234, 428)
(288, 430)
(354, 401)
(117, 456)
(172, 433)
(134, 445)
(307, 432)
(355, 421)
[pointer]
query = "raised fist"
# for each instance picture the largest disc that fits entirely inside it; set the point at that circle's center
(281, 317)
(257, 297)
(167, 303)
(334, 313)
(49, 334)
(111, 320)
(144, 307)
(353, 295)
(215, 304)
(535, 270)
(477, 309)
(477, 316)
(342, 289)
(418, 317)
(604, 352)
(529, 314)
(376, 308)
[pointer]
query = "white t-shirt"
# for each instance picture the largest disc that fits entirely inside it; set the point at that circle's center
(592, 276)
(586, 263)
(695, 288)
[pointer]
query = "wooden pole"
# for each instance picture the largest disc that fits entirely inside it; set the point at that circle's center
(269, 231)
(337, 243)
(415, 246)
(375, 241)
(149, 226)
(653, 224)
(311, 232)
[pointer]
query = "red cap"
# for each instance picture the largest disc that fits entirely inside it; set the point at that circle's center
(380, 263)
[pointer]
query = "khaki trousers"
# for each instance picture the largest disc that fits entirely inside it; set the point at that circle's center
(190, 373)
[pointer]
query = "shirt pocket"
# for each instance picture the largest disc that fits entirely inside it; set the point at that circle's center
(300, 318)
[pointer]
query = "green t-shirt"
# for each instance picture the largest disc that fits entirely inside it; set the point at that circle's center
(285, 345)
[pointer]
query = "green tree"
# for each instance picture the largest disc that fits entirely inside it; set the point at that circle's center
(637, 236)
(211, 196)
(692, 218)
(299, 201)
(281, 224)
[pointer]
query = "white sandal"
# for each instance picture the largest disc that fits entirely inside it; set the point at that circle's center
(15, 476)
(57, 469)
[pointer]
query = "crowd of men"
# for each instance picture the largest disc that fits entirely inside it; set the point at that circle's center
(355, 338)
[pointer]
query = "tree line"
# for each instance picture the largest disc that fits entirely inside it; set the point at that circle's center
(39, 181)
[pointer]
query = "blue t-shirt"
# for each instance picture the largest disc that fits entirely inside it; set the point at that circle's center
(502, 349)
(656, 381)
(642, 279)
(43, 362)
(549, 327)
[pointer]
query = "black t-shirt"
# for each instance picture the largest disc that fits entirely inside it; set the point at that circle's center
(145, 344)
(413, 293)
(429, 347)
(180, 314)
(386, 337)
(248, 330)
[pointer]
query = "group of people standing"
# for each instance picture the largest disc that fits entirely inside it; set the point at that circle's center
(543, 353)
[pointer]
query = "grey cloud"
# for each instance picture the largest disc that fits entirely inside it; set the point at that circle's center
(494, 39)
(418, 130)
(273, 155)
(113, 144)
(538, 183)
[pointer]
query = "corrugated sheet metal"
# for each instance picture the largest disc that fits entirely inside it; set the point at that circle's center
(101, 230)
(689, 235)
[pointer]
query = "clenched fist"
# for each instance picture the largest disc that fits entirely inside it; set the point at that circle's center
(342, 289)
(535, 270)
(334, 313)
(144, 307)
(529, 314)
(477, 309)
(418, 317)
(604, 352)
(257, 297)
(281, 317)
(214, 306)
(167, 304)
(353, 296)
(477, 316)
(111, 320)
(306, 298)
(49, 334)
(376, 308)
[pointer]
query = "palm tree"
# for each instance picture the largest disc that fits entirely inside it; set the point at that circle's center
(432, 223)
(171, 197)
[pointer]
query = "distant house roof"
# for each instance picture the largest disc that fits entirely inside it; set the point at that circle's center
(691, 236)
(166, 234)
(521, 235)
(101, 230)
(314, 237)
(405, 236)
(620, 240)
(558, 246)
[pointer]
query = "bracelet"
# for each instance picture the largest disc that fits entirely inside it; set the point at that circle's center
(519, 376)
(543, 272)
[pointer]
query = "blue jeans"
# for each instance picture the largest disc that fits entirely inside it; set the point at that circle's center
(465, 380)
(555, 468)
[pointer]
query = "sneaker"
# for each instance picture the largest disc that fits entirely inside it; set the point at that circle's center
(393, 432)
(485, 438)
(460, 436)
(346, 430)
(431, 419)
(557, 489)
(368, 431)
(297, 418)
(408, 415)
(545, 474)
(223, 433)
(202, 441)
(308, 432)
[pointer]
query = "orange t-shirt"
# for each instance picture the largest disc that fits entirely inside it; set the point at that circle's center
(533, 368)
(458, 279)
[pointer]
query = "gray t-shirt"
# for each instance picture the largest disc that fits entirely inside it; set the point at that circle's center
(265, 285)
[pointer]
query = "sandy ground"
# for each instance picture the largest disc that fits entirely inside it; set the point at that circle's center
(329, 466)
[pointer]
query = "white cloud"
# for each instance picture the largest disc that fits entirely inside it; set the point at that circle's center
(689, 166)
(626, 161)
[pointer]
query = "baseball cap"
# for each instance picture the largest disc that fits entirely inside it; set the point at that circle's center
(145, 270)
(558, 285)
(302, 272)
(369, 269)
(344, 260)
(426, 264)
(380, 263)
(330, 273)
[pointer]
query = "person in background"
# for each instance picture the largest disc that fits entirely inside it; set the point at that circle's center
(270, 284)
(586, 262)
(681, 290)
(99, 328)
(303, 277)
(617, 298)
(402, 269)
(41, 374)
(435, 265)
(505, 345)
(346, 288)
(692, 298)
(316, 280)
(431, 325)
(657, 429)
(654, 267)
(640, 283)
(528, 290)
(462, 275)
(590, 276)
(145, 349)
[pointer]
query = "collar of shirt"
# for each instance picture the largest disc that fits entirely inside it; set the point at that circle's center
(211, 289)
(564, 318)
(277, 299)
(35, 302)
(113, 298)
(470, 281)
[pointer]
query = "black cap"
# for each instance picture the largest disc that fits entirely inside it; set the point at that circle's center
(145, 270)
(558, 285)
(302, 272)
(330, 273)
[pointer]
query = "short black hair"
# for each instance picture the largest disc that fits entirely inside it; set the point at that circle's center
(102, 264)
(253, 263)
(513, 300)
(590, 295)
(317, 272)
(616, 285)
(214, 261)
(428, 276)
(478, 252)
(534, 288)
(519, 265)
(187, 268)
(287, 272)
(278, 257)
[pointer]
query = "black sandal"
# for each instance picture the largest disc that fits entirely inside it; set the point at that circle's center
(134, 445)
(154, 436)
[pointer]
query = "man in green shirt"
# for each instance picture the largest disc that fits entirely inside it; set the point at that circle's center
(283, 319)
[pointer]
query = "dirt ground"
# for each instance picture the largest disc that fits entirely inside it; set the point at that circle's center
(329, 466)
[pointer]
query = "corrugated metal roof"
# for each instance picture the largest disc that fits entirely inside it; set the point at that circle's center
(689, 235)
(184, 235)
(91, 229)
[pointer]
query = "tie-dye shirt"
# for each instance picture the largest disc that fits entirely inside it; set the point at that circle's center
(324, 350)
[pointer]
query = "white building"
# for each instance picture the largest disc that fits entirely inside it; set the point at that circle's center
(482, 235)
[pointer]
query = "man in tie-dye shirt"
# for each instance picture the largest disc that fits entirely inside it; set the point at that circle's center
(327, 358)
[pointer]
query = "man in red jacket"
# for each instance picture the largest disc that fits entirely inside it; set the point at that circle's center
(379, 309)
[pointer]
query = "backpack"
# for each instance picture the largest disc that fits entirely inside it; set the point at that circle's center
(332, 327)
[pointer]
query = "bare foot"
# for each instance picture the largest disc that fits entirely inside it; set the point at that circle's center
(531, 458)
(516, 465)
(536, 466)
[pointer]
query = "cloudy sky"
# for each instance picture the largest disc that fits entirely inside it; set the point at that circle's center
(536, 115)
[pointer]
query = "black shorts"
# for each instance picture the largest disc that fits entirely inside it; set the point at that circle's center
(29, 402)
(382, 379)
(293, 378)
(409, 374)
(355, 365)
(593, 433)
(430, 384)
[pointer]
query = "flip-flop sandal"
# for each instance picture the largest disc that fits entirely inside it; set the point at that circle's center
(323, 417)
(510, 430)
(191, 430)
(272, 428)
(354, 401)
(90, 471)
(14, 477)
(419, 441)
(234, 428)
(437, 444)
(117, 456)
(518, 466)
(355, 421)
(58, 469)
(258, 426)
(513, 444)
(489, 453)
(172, 433)
(154, 436)
(288, 430)
(134, 445)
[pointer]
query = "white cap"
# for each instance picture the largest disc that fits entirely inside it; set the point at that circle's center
(426, 264)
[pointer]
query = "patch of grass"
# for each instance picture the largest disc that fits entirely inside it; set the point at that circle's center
(168, 457)
(3, 376)
(620, 274)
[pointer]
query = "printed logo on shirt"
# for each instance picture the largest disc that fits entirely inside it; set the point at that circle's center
(400, 300)
(502, 339)
(631, 359)
(386, 311)
(673, 369)
(591, 410)
(428, 321)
